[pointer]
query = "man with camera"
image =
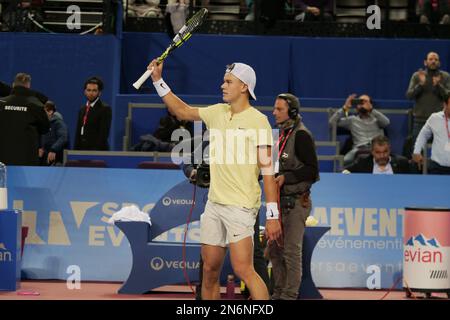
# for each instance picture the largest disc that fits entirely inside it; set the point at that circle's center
(365, 125)
(297, 170)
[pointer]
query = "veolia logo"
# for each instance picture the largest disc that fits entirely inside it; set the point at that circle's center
(157, 263)
(5, 255)
(166, 201)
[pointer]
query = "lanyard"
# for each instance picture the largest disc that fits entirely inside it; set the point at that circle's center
(284, 142)
(88, 107)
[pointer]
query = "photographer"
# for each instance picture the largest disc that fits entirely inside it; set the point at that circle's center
(199, 175)
(365, 125)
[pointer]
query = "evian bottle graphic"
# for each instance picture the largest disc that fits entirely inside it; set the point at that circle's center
(3, 190)
(426, 250)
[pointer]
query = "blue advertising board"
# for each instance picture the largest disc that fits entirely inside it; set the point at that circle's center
(67, 209)
(10, 249)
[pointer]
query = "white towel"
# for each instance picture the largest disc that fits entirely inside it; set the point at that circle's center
(131, 213)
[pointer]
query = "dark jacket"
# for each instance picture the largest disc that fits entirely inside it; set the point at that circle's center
(96, 131)
(399, 164)
(56, 139)
(5, 90)
(298, 160)
(428, 98)
(22, 122)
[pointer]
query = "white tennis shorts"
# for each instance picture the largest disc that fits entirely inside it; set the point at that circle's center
(222, 224)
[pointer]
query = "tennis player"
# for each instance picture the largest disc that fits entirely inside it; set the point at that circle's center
(240, 148)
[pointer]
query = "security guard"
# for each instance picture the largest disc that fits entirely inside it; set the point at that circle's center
(22, 122)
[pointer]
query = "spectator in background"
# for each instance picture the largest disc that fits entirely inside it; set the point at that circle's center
(94, 119)
(56, 140)
(143, 8)
(314, 10)
(161, 139)
(251, 10)
(428, 88)
(438, 127)
(364, 126)
(380, 161)
(22, 122)
(434, 11)
(271, 11)
(176, 12)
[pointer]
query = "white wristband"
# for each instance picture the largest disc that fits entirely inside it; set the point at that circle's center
(272, 211)
(161, 87)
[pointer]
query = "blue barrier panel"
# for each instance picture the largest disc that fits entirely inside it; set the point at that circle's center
(66, 210)
(10, 249)
(337, 67)
(397, 131)
(59, 65)
(123, 161)
(198, 68)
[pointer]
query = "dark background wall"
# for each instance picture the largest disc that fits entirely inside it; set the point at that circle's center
(321, 71)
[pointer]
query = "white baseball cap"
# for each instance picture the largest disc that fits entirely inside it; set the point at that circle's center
(246, 74)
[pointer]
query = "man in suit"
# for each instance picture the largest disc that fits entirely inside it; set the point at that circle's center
(94, 119)
(380, 161)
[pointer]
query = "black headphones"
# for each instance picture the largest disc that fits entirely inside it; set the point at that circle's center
(293, 104)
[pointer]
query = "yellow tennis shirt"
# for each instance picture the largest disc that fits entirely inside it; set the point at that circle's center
(233, 153)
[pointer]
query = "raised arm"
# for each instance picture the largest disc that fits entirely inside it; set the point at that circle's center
(175, 105)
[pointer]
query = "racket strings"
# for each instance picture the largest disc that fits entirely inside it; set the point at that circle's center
(194, 22)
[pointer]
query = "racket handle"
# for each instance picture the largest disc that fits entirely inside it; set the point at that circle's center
(142, 79)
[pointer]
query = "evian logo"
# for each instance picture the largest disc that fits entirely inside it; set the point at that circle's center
(421, 240)
(422, 250)
(5, 255)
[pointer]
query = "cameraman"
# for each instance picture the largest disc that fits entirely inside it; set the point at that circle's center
(365, 125)
(296, 170)
(199, 175)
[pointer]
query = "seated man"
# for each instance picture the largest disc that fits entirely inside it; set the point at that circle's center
(314, 10)
(437, 126)
(364, 126)
(380, 161)
(434, 11)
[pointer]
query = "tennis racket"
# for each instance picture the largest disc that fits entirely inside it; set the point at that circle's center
(182, 36)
